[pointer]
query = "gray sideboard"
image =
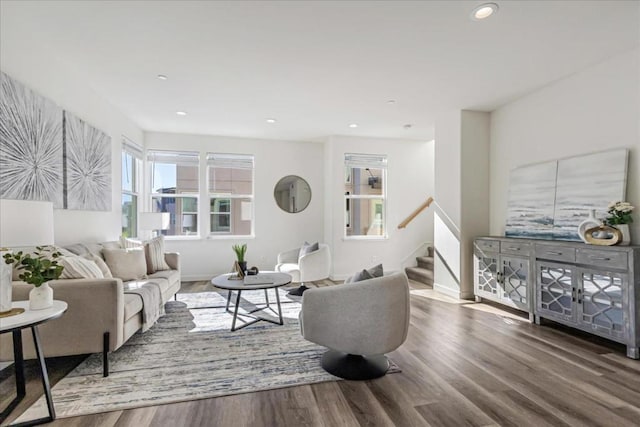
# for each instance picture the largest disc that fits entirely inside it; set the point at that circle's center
(592, 288)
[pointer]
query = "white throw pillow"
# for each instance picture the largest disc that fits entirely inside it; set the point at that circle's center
(100, 263)
(126, 264)
(76, 267)
(154, 253)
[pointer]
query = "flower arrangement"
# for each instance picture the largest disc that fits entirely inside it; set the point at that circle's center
(38, 268)
(240, 251)
(619, 213)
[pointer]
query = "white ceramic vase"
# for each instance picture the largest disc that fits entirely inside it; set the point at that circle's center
(626, 234)
(588, 223)
(6, 288)
(41, 297)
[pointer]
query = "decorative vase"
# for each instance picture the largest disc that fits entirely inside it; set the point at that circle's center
(626, 234)
(6, 270)
(41, 297)
(243, 265)
(588, 223)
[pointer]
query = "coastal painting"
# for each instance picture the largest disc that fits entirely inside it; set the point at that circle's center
(550, 200)
(532, 191)
(585, 183)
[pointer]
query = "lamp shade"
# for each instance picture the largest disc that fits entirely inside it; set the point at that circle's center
(154, 220)
(25, 223)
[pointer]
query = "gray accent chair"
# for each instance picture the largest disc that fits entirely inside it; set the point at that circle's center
(359, 322)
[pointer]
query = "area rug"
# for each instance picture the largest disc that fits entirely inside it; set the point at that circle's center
(191, 354)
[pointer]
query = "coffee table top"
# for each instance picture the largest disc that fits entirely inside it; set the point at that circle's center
(276, 280)
(31, 317)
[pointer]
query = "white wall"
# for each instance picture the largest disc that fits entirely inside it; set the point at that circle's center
(594, 110)
(410, 181)
(38, 69)
(275, 230)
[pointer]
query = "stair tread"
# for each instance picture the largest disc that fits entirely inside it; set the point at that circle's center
(425, 258)
(420, 271)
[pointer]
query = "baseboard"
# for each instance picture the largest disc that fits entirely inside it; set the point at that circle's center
(196, 278)
(447, 291)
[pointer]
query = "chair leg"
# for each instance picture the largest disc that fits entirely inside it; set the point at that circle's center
(353, 366)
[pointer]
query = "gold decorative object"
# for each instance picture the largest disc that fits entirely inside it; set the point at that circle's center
(613, 235)
(12, 312)
(236, 269)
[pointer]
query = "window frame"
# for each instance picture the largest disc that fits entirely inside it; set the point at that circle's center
(230, 161)
(136, 153)
(363, 161)
(191, 158)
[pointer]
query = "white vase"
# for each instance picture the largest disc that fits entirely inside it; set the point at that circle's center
(41, 297)
(588, 223)
(6, 270)
(626, 234)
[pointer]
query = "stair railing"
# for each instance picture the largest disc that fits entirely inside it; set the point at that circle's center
(415, 213)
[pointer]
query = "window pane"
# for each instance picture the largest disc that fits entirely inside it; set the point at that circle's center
(170, 178)
(231, 216)
(129, 215)
(128, 172)
(365, 217)
(230, 180)
(184, 214)
(364, 181)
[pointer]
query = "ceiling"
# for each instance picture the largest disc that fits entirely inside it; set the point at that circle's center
(318, 66)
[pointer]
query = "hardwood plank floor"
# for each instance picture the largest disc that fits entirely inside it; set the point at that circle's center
(463, 364)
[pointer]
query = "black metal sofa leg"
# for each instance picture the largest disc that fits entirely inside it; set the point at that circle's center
(105, 354)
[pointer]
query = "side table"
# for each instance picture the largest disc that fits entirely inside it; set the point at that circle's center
(15, 325)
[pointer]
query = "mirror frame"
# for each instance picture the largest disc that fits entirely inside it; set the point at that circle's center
(276, 198)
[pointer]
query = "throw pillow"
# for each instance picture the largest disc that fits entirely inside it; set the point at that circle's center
(126, 264)
(127, 243)
(100, 263)
(306, 248)
(367, 274)
(154, 254)
(76, 267)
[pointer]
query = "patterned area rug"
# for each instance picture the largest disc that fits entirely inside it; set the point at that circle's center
(191, 354)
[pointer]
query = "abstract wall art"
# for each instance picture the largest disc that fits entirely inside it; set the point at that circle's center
(30, 145)
(87, 166)
(550, 200)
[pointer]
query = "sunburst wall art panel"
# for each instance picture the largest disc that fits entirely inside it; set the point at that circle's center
(87, 166)
(30, 145)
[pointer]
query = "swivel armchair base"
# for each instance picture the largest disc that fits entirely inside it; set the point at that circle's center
(298, 291)
(353, 366)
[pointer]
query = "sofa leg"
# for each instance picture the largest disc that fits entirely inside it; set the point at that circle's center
(105, 354)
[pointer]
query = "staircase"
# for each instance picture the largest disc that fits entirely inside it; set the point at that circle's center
(423, 273)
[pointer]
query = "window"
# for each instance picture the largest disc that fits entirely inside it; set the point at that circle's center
(131, 174)
(230, 186)
(174, 189)
(365, 181)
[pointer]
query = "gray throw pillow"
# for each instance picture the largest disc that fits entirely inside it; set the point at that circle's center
(367, 274)
(306, 248)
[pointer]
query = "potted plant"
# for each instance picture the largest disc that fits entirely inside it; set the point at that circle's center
(240, 251)
(37, 269)
(620, 218)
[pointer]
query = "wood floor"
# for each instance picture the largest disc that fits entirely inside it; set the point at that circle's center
(464, 364)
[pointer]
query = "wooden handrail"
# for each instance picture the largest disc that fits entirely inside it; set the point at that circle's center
(415, 213)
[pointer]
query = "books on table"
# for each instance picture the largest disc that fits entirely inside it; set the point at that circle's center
(258, 279)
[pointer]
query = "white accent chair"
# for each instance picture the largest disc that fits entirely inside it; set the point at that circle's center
(359, 322)
(313, 266)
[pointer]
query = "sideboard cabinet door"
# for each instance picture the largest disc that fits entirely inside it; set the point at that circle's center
(602, 299)
(515, 280)
(555, 291)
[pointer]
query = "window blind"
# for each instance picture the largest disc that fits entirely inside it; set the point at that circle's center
(235, 161)
(373, 161)
(180, 158)
(132, 148)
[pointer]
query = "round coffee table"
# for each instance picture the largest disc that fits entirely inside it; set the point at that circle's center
(264, 280)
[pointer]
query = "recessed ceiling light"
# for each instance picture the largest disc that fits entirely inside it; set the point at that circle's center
(391, 101)
(181, 113)
(408, 126)
(271, 120)
(484, 11)
(353, 125)
(162, 77)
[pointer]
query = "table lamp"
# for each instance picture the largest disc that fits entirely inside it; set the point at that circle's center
(23, 223)
(154, 221)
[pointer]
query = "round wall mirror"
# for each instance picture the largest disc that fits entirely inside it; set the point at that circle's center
(292, 194)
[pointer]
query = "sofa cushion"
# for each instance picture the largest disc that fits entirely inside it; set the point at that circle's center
(172, 276)
(76, 267)
(100, 263)
(154, 253)
(132, 305)
(126, 264)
